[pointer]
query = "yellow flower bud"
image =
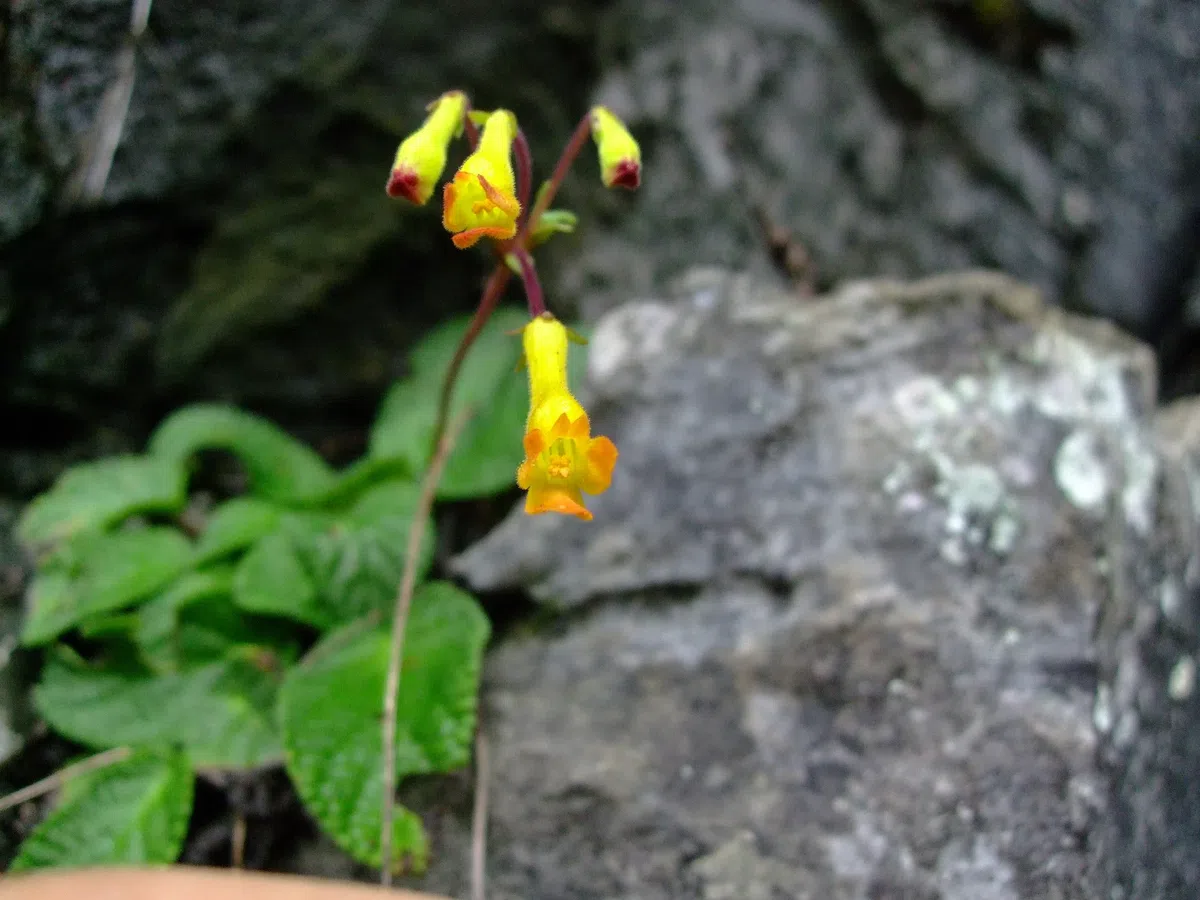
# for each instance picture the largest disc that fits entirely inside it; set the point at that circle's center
(422, 155)
(562, 459)
(481, 200)
(620, 156)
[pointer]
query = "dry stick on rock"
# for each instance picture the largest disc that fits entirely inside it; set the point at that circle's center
(479, 817)
(88, 181)
(408, 579)
(56, 780)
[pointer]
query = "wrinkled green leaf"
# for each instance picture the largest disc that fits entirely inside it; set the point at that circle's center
(487, 454)
(222, 714)
(100, 573)
(134, 812)
(97, 494)
(279, 467)
(332, 705)
(235, 525)
(327, 572)
(272, 580)
(195, 622)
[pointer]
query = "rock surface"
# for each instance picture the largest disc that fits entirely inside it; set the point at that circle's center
(1148, 709)
(831, 632)
(1047, 138)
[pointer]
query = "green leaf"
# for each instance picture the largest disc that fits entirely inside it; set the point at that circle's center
(332, 706)
(361, 475)
(327, 572)
(404, 428)
(487, 454)
(134, 812)
(108, 625)
(100, 573)
(272, 580)
(195, 622)
(222, 714)
(279, 467)
(490, 449)
(235, 525)
(97, 494)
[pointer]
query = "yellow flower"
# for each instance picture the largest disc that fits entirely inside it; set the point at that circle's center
(481, 201)
(562, 459)
(422, 155)
(620, 156)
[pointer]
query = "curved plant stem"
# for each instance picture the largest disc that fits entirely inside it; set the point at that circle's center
(492, 291)
(408, 581)
(479, 817)
(57, 779)
(524, 160)
(546, 196)
(533, 287)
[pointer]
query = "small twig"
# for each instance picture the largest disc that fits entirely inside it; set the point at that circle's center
(479, 819)
(57, 779)
(788, 254)
(408, 580)
(237, 851)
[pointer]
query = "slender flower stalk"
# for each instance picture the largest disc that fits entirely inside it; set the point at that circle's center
(493, 290)
(533, 287)
(566, 159)
(524, 161)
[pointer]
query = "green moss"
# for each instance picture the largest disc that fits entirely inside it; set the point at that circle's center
(276, 255)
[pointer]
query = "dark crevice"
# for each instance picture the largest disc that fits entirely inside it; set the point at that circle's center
(904, 104)
(1006, 29)
(1177, 346)
(36, 428)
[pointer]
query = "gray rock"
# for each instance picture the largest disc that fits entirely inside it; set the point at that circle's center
(1051, 140)
(831, 632)
(1147, 708)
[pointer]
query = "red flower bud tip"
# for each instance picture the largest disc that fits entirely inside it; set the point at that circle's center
(404, 183)
(628, 175)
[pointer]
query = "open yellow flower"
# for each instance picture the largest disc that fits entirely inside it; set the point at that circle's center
(562, 460)
(620, 155)
(481, 200)
(422, 155)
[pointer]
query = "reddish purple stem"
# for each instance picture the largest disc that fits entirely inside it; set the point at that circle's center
(580, 137)
(493, 290)
(533, 287)
(470, 128)
(524, 172)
